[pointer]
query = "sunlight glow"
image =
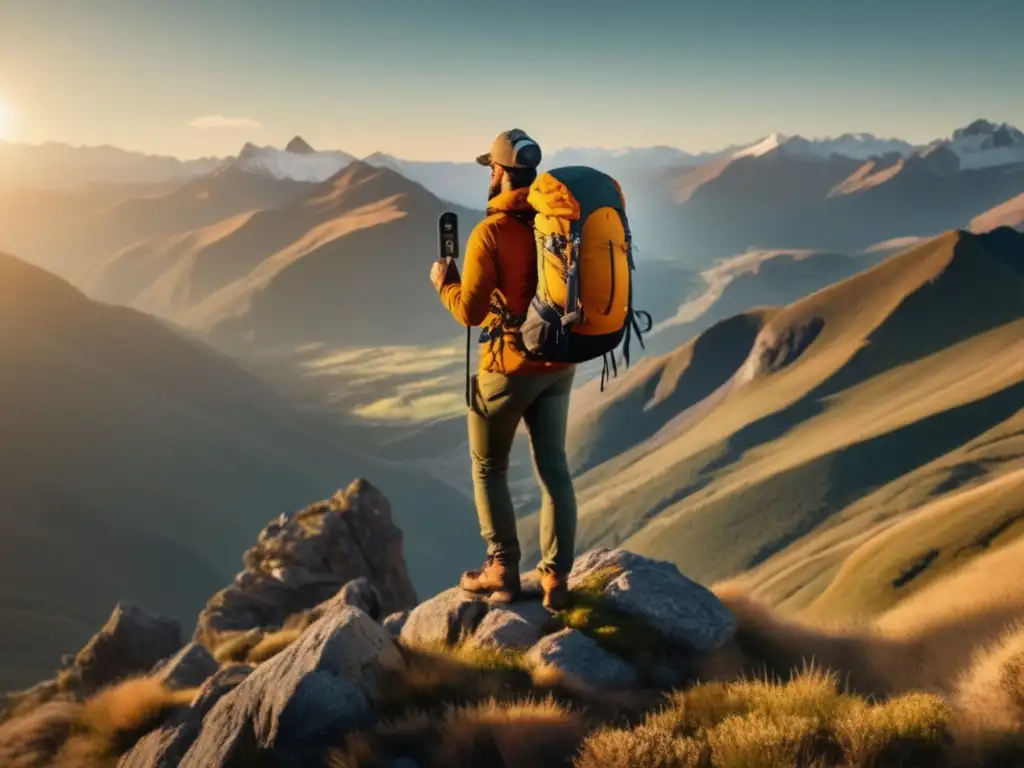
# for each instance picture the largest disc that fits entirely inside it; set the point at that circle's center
(5, 119)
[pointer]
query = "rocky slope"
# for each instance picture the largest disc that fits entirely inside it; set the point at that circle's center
(294, 651)
(317, 654)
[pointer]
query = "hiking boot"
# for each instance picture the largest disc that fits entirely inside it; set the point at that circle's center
(556, 590)
(499, 580)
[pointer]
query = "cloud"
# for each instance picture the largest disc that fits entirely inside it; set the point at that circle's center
(214, 122)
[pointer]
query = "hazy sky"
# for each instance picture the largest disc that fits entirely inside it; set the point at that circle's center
(406, 77)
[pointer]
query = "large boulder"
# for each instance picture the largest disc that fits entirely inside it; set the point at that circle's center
(295, 703)
(681, 610)
(302, 560)
(445, 619)
(501, 628)
(580, 659)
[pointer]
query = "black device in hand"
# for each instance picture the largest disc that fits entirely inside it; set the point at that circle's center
(448, 233)
(448, 241)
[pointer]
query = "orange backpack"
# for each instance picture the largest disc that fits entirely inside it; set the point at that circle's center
(583, 308)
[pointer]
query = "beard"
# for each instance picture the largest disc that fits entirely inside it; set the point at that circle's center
(494, 189)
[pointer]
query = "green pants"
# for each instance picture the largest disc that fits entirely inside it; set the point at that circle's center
(501, 404)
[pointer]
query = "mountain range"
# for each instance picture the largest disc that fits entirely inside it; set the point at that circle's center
(280, 255)
(833, 381)
(979, 144)
(132, 451)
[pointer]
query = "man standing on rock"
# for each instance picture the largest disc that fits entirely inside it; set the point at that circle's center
(499, 281)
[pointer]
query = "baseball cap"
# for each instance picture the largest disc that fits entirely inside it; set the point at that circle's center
(512, 149)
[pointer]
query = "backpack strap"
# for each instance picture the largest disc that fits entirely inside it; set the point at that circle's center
(632, 315)
(573, 312)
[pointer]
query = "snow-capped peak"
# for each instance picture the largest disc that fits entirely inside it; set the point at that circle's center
(983, 144)
(299, 162)
(857, 146)
(769, 143)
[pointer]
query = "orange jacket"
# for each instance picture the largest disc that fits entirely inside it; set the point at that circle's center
(500, 263)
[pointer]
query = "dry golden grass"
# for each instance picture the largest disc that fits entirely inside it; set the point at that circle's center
(808, 721)
(32, 739)
(784, 693)
(525, 732)
(272, 644)
(236, 646)
(927, 650)
(646, 746)
(90, 734)
(112, 719)
(989, 699)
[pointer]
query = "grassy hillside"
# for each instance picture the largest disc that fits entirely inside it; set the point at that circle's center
(133, 453)
(816, 426)
(1008, 214)
(194, 204)
(319, 268)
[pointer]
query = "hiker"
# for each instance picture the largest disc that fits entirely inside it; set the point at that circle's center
(498, 282)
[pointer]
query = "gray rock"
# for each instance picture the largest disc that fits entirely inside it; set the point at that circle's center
(683, 611)
(532, 611)
(301, 561)
(310, 692)
(226, 679)
(131, 642)
(394, 623)
(359, 593)
(189, 668)
(166, 746)
(501, 628)
(578, 657)
(444, 619)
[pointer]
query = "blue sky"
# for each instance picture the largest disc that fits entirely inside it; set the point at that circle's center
(436, 80)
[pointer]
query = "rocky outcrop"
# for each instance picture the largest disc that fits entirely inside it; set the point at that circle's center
(671, 614)
(284, 710)
(321, 616)
(302, 560)
(132, 642)
(289, 706)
